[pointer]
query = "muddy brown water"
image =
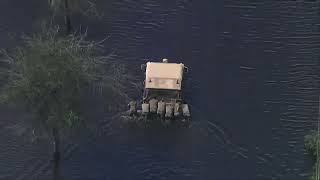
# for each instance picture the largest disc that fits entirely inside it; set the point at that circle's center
(253, 86)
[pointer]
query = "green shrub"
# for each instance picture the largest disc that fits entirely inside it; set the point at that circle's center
(311, 141)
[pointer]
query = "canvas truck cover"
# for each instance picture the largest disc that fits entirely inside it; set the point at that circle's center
(164, 75)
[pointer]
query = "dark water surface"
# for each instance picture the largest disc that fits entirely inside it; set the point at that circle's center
(253, 86)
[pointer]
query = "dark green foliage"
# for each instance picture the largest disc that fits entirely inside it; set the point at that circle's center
(311, 142)
(314, 176)
(50, 74)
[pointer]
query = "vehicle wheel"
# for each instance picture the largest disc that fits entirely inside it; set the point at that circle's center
(186, 121)
(166, 122)
(145, 119)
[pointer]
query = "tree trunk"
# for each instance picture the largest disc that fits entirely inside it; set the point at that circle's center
(67, 17)
(56, 153)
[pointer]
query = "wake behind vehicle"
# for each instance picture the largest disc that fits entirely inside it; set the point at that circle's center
(162, 94)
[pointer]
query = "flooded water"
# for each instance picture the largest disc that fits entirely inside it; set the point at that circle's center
(253, 86)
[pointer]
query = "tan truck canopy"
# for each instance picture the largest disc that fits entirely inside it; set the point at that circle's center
(161, 75)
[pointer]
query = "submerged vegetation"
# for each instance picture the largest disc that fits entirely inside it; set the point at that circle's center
(312, 144)
(51, 74)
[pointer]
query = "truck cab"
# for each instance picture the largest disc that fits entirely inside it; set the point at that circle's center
(162, 92)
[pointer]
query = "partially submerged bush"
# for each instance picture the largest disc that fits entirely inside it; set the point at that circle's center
(311, 142)
(50, 75)
(50, 65)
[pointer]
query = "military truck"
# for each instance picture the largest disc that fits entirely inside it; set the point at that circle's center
(162, 93)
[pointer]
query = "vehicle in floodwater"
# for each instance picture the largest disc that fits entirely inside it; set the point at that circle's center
(162, 94)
